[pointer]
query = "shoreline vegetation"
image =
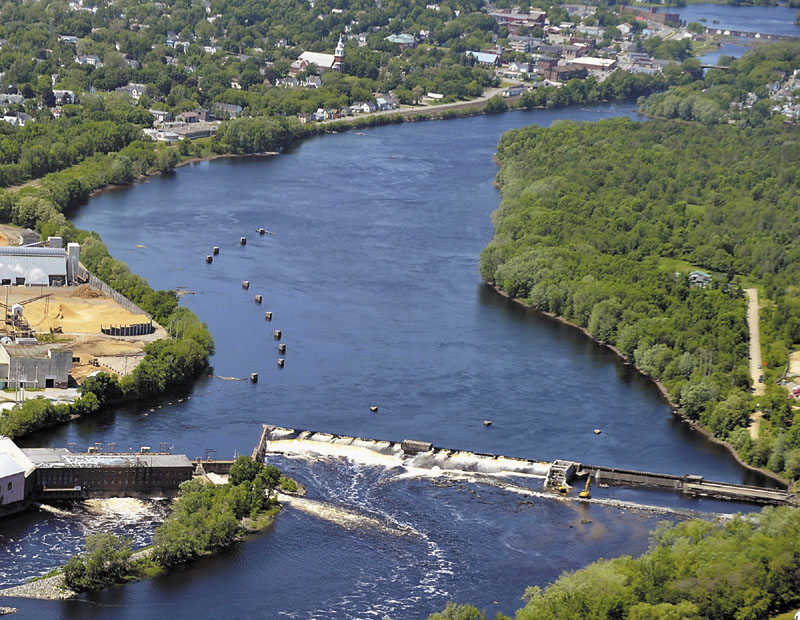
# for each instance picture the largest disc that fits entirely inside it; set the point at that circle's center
(745, 568)
(693, 424)
(602, 225)
(205, 519)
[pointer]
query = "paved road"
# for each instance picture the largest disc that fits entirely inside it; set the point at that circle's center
(404, 110)
(756, 369)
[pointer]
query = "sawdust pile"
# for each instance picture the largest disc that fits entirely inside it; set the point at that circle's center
(84, 291)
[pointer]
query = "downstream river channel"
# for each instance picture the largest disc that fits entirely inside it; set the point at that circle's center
(372, 276)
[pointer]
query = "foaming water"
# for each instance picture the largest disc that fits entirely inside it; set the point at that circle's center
(434, 462)
(34, 542)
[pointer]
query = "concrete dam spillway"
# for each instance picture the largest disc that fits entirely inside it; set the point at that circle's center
(422, 457)
(410, 454)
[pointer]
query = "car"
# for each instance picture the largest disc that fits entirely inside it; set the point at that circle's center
(761, 380)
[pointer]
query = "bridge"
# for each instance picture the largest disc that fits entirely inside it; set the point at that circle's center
(559, 475)
(764, 36)
(720, 67)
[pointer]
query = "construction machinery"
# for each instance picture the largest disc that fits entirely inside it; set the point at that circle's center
(585, 494)
(15, 322)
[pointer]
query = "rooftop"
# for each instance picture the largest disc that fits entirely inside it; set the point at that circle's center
(8, 447)
(49, 458)
(32, 351)
(9, 466)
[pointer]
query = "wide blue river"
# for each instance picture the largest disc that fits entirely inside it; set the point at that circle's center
(372, 276)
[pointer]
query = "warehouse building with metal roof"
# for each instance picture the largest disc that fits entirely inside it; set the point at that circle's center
(39, 266)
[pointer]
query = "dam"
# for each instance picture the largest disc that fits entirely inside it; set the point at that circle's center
(559, 475)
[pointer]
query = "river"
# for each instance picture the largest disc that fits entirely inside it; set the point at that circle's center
(372, 275)
(764, 19)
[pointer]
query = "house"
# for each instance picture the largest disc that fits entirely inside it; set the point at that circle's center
(204, 115)
(227, 110)
(188, 117)
(363, 107)
(287, 82)
(89, 59)
(519, 67)
(172, 39)
(161, 116)
(405, 41)
(699, 279)
(484, 58)
(385, 102)
(16, 121)
(15, 99)
(132, 89)
(67, 38)
(313, 81)
(64, 97)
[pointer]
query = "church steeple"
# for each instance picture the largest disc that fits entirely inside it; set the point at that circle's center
(338, 55)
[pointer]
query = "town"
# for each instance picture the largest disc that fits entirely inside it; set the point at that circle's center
(203, 69)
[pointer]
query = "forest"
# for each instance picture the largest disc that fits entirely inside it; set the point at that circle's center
(747, 568)
(738, 92)
(602, 223)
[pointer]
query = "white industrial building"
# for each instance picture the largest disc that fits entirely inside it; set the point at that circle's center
(16, 481)
(40, 266)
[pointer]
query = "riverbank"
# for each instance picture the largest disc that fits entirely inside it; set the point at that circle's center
(694, 425)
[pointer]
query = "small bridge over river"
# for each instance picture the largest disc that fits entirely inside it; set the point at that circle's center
(558, 475)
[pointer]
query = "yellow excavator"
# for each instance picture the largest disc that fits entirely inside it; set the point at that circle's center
(585, 493)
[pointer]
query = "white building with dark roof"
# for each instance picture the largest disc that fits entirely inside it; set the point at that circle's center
(16, 480)
(38, 266)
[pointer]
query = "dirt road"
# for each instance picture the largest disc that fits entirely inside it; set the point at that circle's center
(756, 369)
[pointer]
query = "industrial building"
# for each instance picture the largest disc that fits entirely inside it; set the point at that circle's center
(40, 266)
(34, 365)
(39, 474)
(61, 474)
(16, 478)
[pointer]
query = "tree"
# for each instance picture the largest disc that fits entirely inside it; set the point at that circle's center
(695, 397)
(245, 469)
(454, 611)
(106, 561)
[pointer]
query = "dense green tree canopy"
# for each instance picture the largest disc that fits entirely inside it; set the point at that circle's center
(601, 223)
